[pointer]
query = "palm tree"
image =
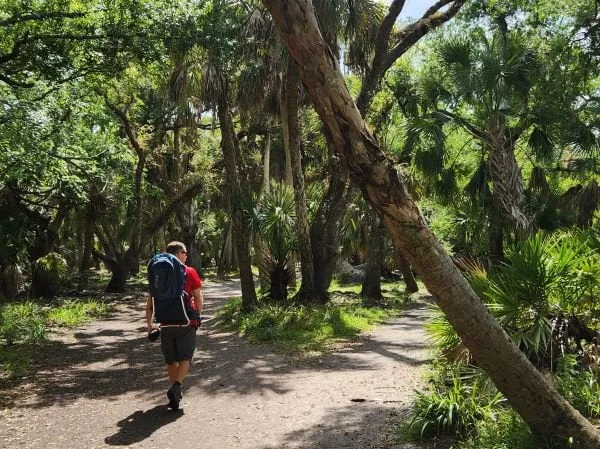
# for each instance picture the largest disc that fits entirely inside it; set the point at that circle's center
(272, 218)
(490, 89)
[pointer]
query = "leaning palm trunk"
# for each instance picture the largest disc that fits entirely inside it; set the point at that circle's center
(540, 405)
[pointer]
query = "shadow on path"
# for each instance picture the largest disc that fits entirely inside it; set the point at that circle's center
(112, 357)
(140, 425)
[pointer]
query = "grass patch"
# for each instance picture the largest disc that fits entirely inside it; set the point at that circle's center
(74, 313)
(302, 328)
(24, 325)
(22, 322)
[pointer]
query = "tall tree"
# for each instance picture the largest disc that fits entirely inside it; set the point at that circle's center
(540, 405)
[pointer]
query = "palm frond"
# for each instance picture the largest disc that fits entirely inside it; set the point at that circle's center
(541, 145)
(427, 137)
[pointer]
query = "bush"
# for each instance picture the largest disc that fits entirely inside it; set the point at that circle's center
(48, 273)
(22, 323)
(298, 328)
(455, 404)
(506, 430)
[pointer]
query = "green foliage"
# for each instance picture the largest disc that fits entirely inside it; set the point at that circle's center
(22, 323)
(48, 273)
(581, 387)
(441, 333)
(454, 404)
(298, 328)
(272, 219)
(505, 430)
(547, 275)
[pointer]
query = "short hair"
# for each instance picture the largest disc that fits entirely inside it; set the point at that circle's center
(175, 247)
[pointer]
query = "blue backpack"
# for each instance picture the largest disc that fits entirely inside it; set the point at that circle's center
(166, 276)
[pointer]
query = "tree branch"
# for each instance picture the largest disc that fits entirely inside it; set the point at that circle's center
(13, 83)
(469, 127)
(411, 34)
(128, 128)
(161, 219)
(40, 16)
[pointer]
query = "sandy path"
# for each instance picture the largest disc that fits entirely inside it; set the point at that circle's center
(105, 386)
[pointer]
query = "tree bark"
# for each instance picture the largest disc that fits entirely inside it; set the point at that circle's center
(540, 405)
(306, 292)
(88, 239)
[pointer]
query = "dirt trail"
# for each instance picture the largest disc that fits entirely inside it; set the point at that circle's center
(104, 385)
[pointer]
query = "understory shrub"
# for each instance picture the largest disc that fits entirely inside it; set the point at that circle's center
(456, 400)
(579, 385)
(74, 313)
(47, 275)
(22, 323)
(301, 328)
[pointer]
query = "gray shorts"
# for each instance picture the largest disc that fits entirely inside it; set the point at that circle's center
(178, 343)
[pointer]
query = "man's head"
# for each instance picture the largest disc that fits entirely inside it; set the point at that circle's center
(178, 249)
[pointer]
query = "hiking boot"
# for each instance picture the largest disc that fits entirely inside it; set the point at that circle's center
(174, 395)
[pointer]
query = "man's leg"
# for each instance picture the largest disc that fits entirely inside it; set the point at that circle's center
(185, 344)
(172, 369)
(178, 370)
(182, 370)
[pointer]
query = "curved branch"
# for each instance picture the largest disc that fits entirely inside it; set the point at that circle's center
(470, 128)
(128, 128)
(411, 34)
(176, 202)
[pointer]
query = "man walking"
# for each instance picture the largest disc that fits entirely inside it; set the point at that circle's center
(178, 338)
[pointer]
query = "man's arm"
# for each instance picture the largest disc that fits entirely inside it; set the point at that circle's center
(149, 311)
(198, 299)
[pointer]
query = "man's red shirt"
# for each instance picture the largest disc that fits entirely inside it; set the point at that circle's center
(192, 282)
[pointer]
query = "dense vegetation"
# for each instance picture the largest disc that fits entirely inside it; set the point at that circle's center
(127, 124)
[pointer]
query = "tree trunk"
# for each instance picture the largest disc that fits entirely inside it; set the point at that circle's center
(121, 270)
(371, 286)
(88, 239)
(507, 181)
(324, 233)
(241, 232)
(307, 286)
(287, 173)
(225, 262)
(407, 274)
(540, 405)
(260, 248)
